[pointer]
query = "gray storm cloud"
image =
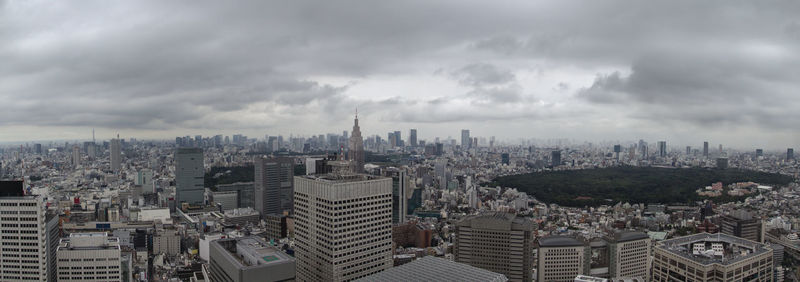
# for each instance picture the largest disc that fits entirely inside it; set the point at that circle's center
(294, 67)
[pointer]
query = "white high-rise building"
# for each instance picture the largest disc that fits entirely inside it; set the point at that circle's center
(343, 226)
(89, 257)
(116, 155)
(24, 249)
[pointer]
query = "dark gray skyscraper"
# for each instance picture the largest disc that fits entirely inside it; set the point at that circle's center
(790, 154)
(397, 139)
(465, 140)
(116, 155)
(189, 173)
(662, 149)
(412, 137)
(688, 150)
(274, 185)
(705, 149)
(556, 158)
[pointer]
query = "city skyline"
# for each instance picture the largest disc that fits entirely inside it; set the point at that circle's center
(511, 70)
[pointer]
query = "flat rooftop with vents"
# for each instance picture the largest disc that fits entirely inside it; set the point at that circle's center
(249, 259)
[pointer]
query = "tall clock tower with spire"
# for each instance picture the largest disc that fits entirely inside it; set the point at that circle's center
(356, 153)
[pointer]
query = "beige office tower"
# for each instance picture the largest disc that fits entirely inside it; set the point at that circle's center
(498, 242)
(712, 257)
(24, 238)
(343, 226)
(629, 255)
(561, 258)
(89, 257)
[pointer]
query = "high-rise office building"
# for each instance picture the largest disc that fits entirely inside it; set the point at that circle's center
(555, 158)
(245, 193)
(759, 152)
(662, 149)
(274, 181)
(688, 150)
(189, 174)
(116, 155)
(76, 156)
(89, 256)
(629, 253)
(398, 139)
(561, 258)
(412, 138)
(642, 149)
(790, 154)
(356, 152)
(24, 226)
(743, 224)
(37, 148)
(498, 242)
(400, 186)
(712, 257)
(705, 149)
(466, 141)
(343, 226)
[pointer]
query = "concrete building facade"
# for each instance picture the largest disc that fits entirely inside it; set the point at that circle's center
(498, 242)
(629, 253)
(89, 257)
(342, 227)
(561, 258)
(24, 240)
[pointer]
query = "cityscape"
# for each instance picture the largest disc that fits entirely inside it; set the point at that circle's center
(417, 141)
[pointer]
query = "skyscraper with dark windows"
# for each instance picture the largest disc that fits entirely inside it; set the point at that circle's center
(412, 138)
(662, 149)
(189, 172)
(116, 155)
(705, 149)
(398, 139)
(555, 158)
(466, 141)
(274, 185)
(789, 154)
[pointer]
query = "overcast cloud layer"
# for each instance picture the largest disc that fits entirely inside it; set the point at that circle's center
(723, 71)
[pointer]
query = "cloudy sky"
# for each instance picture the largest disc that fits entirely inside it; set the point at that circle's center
(683, 71)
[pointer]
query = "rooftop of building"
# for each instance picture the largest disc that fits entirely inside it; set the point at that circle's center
(715, 249)
(431, 268)
(253, 252)
(341, 178)
(88, 241)
(498, 221)
(559, 241)
(628, 235)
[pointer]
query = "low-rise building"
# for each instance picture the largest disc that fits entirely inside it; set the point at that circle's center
(712, 257)
(249, 259)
